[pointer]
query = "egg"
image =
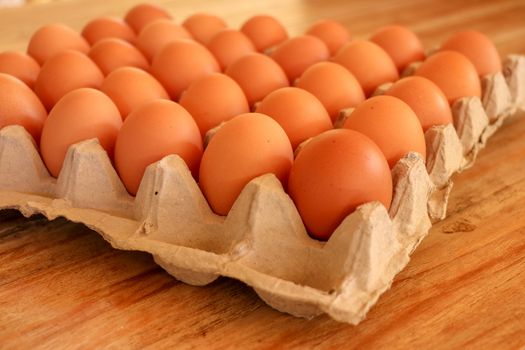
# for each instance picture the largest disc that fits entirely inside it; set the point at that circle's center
(157, 34)
(131, 87)
(81, 114)
(141, 15)
(110, 54)
(180, 63)
(257, 75)
(107, 27)
(333, 85)
(214, 99)
(19, 65)
(52, 39)
(400, 43)
(152, 131)
(228, 45)
(478, 48)
(391, 124)
(204, 26)
(245, 147)
(20, 106)
(332, 33)
(299, 53)
(425, 98)
(369, 63)
(64, 72)
(264, 31)
(453, 73)
(334, 173)
(299, 113)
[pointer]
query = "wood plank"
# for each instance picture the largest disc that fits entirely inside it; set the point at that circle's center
(62, 286)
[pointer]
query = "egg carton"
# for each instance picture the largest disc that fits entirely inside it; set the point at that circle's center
(262, 241)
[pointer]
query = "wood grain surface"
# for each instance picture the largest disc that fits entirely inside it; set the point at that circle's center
(63, 286)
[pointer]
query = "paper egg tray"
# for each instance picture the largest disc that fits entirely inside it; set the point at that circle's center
(262, 242)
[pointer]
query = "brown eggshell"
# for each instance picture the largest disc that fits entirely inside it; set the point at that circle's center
(80, 115)
(131, 87)
(19, 65)
(52, 39)
(64, 72)
(332, 33)
(20, 106)
(299, 113)
(244, 148)
(156, 35)
(391, 124)
(333, 174)
(141, 15)
(228, 45)
(154, 130)
(257, 75)
(112, 53)
(264, 31)
(203, 26)
(107, 27)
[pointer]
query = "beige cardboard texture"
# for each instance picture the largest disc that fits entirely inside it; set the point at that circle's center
(262, 241)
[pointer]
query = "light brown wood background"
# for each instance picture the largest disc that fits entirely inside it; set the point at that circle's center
(63, 286)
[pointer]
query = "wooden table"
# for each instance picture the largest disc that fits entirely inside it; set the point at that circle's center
(63, 286)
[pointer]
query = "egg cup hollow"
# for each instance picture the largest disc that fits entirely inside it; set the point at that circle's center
(262, 241)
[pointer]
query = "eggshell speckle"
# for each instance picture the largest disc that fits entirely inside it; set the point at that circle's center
(333, 174)
(478, 48)
(369, 63)
(180, 63)
(64, 72)
(400, 43)
(264, 31)
(19, 65)
(257, 75)
(333, 85)
(20, 106)
(141, 15)
(299, 113)
(297, 54)
(453, 73)
(156, 35)
(107, 27)
(52, 39)
(244, 148)
(228, 45)
(391, 124)
(332, 33)
(111, 53)
(80, 115)
(203, 26)
(152, 131)
(130, 87)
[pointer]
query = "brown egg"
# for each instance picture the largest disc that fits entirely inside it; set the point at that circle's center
(400, 43)
(130, 87)
(299, 53)
(107, 27)
(158, 34)
(455, 75)
(64, 72)
(478, 48)
(20, 106)
(111, 53)
(141, 15)
(19, 65)
(264, 31)
(214, 99)
(154, 130)
(369, 63)
(332, 33)
(245, 147)
(180, 63)
(425, 98)
(299, 113)
(52, 39)
(203, 26)
(333, 85)
(391, 124)
(228, 45)
(80, 115)
(334, 173)
(257, 75)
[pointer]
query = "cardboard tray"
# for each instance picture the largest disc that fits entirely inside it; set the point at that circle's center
(262, 242)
